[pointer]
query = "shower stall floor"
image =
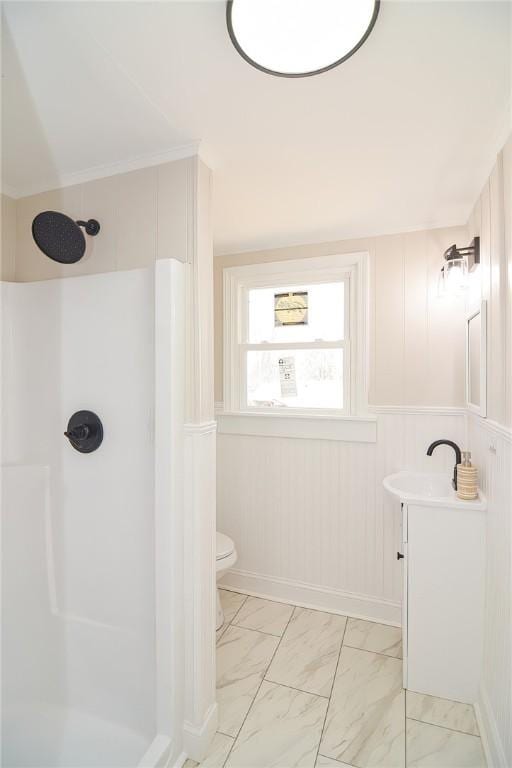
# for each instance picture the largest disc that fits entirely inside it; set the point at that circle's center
(68, 738)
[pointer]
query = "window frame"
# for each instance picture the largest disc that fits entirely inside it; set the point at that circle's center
(350, 268)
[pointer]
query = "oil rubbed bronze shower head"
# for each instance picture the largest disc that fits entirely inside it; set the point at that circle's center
(60, 238)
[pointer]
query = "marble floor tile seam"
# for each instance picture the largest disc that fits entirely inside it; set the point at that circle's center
(444, 727)
(366, 650)
(294, 688)
(254, 615)
(230, 749)
(285, 602)
(224, 734)
(304, 606)
(466, 740)
(240, 608)
(470, 719)
(330, 692)
(241, 604)
(224, 626)
(260, 631)
(262, 679)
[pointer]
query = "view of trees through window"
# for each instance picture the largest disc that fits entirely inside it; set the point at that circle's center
(294, 354)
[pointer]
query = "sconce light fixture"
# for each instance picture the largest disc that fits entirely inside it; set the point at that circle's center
(458, 263)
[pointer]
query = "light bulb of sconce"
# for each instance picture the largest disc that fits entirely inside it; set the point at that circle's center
(453, 279)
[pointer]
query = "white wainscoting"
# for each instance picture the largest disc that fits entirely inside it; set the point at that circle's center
(200, 597)
(310, 518)
(351, 429)
(491, 447)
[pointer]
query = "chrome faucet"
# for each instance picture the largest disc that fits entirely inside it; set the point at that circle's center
(458, 457)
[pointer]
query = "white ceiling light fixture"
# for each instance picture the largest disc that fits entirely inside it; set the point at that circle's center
(299, 38)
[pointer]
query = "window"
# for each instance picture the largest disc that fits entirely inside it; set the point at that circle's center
(294, 337)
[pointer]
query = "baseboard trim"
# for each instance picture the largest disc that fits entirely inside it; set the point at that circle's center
(312, 596)
(197, 739)
(179, 762)
(491, 741)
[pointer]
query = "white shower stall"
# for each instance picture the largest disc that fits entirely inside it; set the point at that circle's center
(92, 543)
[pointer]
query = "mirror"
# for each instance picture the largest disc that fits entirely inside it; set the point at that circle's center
(476, 360)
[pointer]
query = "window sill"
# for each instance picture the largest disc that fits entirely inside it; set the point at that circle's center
(350, 429)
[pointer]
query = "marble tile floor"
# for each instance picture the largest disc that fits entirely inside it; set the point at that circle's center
(299, 688)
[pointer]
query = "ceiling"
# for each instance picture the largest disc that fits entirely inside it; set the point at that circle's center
(399, 137)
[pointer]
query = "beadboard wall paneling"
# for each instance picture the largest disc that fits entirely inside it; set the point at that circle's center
(492, 454)
(315, 512)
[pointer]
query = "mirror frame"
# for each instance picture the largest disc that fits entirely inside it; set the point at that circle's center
(480, 409)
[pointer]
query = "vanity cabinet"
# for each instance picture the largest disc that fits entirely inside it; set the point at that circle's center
(443, 597)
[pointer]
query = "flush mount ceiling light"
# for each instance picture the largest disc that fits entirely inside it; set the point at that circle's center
(298, 38)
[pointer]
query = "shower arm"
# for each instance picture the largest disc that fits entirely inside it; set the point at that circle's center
(92, 227)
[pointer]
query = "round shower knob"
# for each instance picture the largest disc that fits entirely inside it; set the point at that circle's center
(85, 431)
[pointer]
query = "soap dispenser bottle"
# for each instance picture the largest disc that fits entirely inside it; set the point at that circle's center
(467, 478)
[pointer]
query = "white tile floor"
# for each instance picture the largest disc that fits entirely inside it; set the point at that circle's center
(304, 688)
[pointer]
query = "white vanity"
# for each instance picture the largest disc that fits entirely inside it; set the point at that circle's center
(443, 545)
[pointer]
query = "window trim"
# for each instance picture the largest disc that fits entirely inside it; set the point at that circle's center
(237, 280)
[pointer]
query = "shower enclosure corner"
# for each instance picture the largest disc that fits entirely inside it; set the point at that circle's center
(90, 527)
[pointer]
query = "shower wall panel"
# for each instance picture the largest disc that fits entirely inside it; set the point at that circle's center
(71, 344)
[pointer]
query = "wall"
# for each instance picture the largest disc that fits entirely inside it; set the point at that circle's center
(311, 520)
(490, 440)
(200, 465)
(145, 215)
(412, 331)
(8, 239)
(70, 344)
(492, 453)
(309, 517)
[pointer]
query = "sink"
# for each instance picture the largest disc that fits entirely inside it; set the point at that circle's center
(428, 488)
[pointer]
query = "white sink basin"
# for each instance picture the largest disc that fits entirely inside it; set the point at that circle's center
(429, 489)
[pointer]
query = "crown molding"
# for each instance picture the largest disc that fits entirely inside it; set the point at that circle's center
(104, 171)
(9, 191)
(335, 237)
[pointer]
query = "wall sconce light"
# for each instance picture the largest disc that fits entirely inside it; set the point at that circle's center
(458, 263)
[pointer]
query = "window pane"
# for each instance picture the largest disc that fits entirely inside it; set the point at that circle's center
(305, 378)
(297, 313)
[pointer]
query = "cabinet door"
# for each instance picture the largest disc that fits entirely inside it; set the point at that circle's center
(445, 573)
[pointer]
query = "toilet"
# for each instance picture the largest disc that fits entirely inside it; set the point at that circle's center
(226, 558)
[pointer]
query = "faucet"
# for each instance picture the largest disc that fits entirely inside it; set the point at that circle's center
(458, 457)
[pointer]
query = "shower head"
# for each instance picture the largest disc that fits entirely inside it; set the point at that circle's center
(60, 238)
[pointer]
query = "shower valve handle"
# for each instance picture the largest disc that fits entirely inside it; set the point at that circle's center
(85, 431)
(81, 432)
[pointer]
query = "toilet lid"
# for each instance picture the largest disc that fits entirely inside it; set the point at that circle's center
(225, 546)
